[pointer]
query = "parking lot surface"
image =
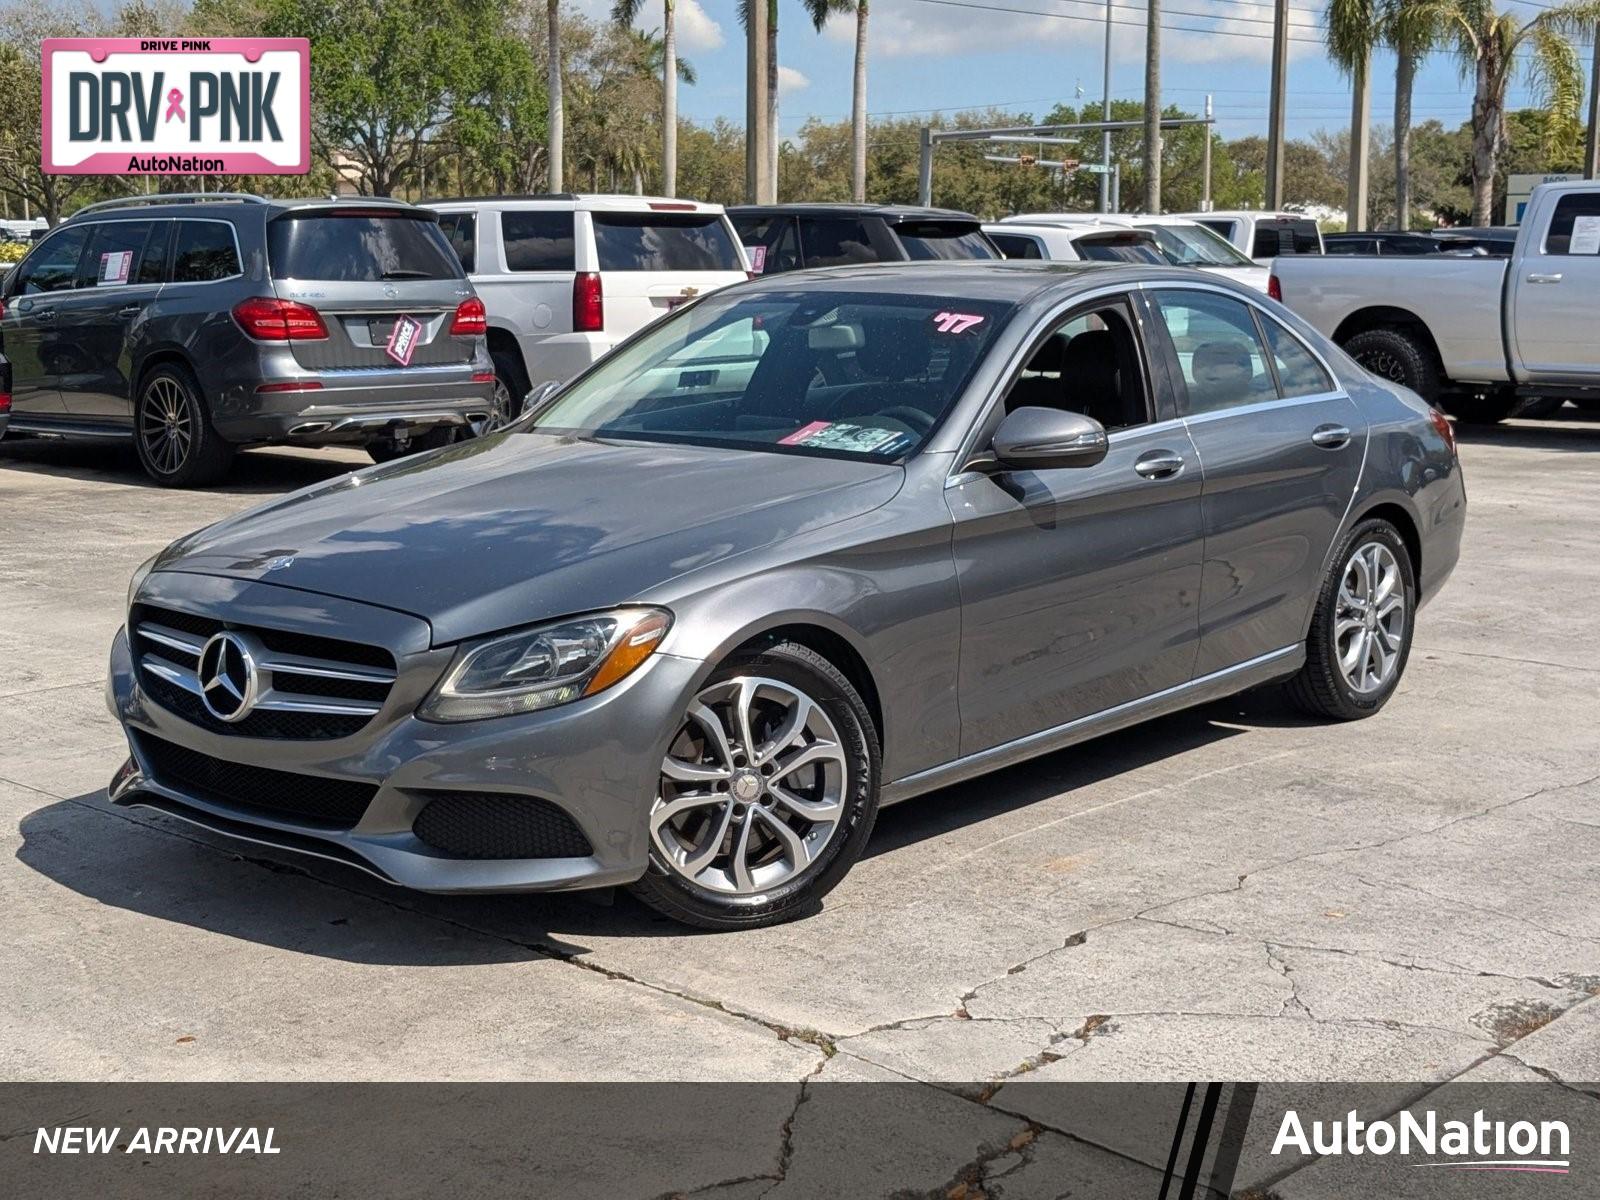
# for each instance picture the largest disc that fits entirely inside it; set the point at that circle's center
(1231, 892)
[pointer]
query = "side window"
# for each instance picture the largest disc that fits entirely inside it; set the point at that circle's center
(115, 251)
(53, 267)
(771, 243)
(205, 250)
(1220, 353)
(1088, 364)
(1267, 243)
(1575, 226)
(1299, 373)
(461, 231)
(835, 242)
(153, 263)
(1016, 245)
(538, 240)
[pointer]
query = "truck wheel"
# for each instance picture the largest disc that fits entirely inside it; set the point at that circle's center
(1397, 356)
(1481, 408)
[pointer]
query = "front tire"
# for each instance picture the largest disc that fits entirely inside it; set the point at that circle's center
(767, 795)
(1398, 356)
(172, 431)
(1361, 630)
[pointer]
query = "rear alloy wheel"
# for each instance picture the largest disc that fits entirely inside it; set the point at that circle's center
(176, 444)
(510, 388)
(1361, 630)
(767, 793)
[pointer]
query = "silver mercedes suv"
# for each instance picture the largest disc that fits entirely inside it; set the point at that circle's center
(195, 325)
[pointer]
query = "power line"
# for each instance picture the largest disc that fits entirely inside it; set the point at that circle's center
(1033, 12)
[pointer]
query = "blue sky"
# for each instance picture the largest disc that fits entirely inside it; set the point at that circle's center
(938, 54)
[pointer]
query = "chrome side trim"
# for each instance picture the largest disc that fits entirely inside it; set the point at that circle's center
(1273, 665)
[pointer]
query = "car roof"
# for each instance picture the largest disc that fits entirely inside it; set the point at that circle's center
(1252, 214)
(1015, 281)
(1100, 220)
(890, 212)
(1071, 231)
(575, 201)
(227, 205)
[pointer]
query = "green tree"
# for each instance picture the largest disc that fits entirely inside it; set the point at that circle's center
(625, 12)
(820, 11)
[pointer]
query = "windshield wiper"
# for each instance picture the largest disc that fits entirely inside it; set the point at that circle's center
(406, 275)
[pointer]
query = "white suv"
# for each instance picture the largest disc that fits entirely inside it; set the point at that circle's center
(565, 278)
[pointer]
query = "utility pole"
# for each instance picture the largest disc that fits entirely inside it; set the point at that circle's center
(756, 152)
(1205, 163)
(1591, 157)
(1275, 117)
(1105, 115)
(1152, 109)
(1360, 144)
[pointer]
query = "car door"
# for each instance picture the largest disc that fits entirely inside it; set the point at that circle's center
(1553, 295)
(28, 330)
(118, 278)
(1079, 586)
(1281, 447)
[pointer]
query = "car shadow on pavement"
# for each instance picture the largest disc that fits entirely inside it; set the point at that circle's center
(1569, 431)
(254, 472)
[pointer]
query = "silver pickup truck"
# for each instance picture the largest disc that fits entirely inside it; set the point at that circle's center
(1481, 337)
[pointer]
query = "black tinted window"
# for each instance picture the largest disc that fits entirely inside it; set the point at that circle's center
(664, 242)
(1120, 247)
(53, 266)
(1285, 237)
(537, 241)
(204, 250)
(461, 231)
(835, 242)
(1575, 227)
(157, 249)
(771, 243)
(359, 247)
(1014, 245)
(115, 248)
(928, 240)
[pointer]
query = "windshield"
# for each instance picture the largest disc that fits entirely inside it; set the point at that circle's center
(841, 374)
(1196, 246)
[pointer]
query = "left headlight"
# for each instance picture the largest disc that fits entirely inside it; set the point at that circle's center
(546, 665)
(140, 574)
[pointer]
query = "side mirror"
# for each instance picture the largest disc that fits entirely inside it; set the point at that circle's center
(536, 397)
(1033, 439)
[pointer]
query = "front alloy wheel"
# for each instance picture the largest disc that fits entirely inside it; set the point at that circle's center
(767, 793)
(1370, 628)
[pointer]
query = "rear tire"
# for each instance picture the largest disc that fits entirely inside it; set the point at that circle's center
(509, 375)
(1398, 356)
(721, 861)
(172, 431)
(1353, 663)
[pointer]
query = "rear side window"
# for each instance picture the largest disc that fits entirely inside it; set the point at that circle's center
(359, 247)
(1575, 226)
(943, 240)
(53, 267)
(1286, 237)
(1299, 374)
(205, 250)
(657, 241)
(1225, 228)
(461, 231)
(538, 240)
(115, 251)
(153, 263)
(836, 242)
(1015, 245)
(771, 243)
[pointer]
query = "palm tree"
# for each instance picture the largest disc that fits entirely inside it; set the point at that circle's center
(771, 117)
(553, 88)
(624, 13)
(1411, 28)
(1487, 43)
(820, 11)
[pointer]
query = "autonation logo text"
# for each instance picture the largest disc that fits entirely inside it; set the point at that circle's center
(1481, 1144)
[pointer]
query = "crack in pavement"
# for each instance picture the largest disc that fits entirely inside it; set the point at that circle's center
(1532, 662)
(1477, 908)
(1280, 965)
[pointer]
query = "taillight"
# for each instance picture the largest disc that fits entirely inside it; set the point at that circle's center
(483, 377)
(1274, 288)
(268, 319)
(588, 303)
(291, 385)
(470, 319)
(5, 402)
(1443, 426)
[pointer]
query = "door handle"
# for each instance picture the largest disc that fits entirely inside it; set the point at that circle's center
(129, 310)
(44, 314)
(1542, 277)
(1158, 464)
(1330, 437)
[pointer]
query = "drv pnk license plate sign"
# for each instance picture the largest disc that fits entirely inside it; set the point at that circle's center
(177, 106)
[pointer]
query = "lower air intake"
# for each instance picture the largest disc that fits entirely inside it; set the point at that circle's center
(488, 825)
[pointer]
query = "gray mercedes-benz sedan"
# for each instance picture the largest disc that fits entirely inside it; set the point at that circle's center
(813, 544)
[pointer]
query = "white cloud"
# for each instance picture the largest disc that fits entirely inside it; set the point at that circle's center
(790, 80)
(697, 30)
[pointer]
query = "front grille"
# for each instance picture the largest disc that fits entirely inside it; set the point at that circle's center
(336, 803)
(490, 825)
(311, 688)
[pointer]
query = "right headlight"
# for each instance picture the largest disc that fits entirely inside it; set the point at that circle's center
(546, 665)
(140, 574)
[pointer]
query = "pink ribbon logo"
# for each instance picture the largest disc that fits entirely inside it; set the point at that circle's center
(175, 105)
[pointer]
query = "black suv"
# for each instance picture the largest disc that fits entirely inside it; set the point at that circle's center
(194, 325)
(786, 237)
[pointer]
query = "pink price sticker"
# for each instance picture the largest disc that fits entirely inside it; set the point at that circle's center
(758, 258)
(954, 322)
(805, 431)
(403, 340)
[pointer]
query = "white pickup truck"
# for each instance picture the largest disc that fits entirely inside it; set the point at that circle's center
(1481, 337)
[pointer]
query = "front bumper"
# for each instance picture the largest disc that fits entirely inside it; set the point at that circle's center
(598, 760)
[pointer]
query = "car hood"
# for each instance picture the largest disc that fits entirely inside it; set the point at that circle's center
(522, 527)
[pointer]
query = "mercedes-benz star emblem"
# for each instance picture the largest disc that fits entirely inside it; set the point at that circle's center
(227, 677)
